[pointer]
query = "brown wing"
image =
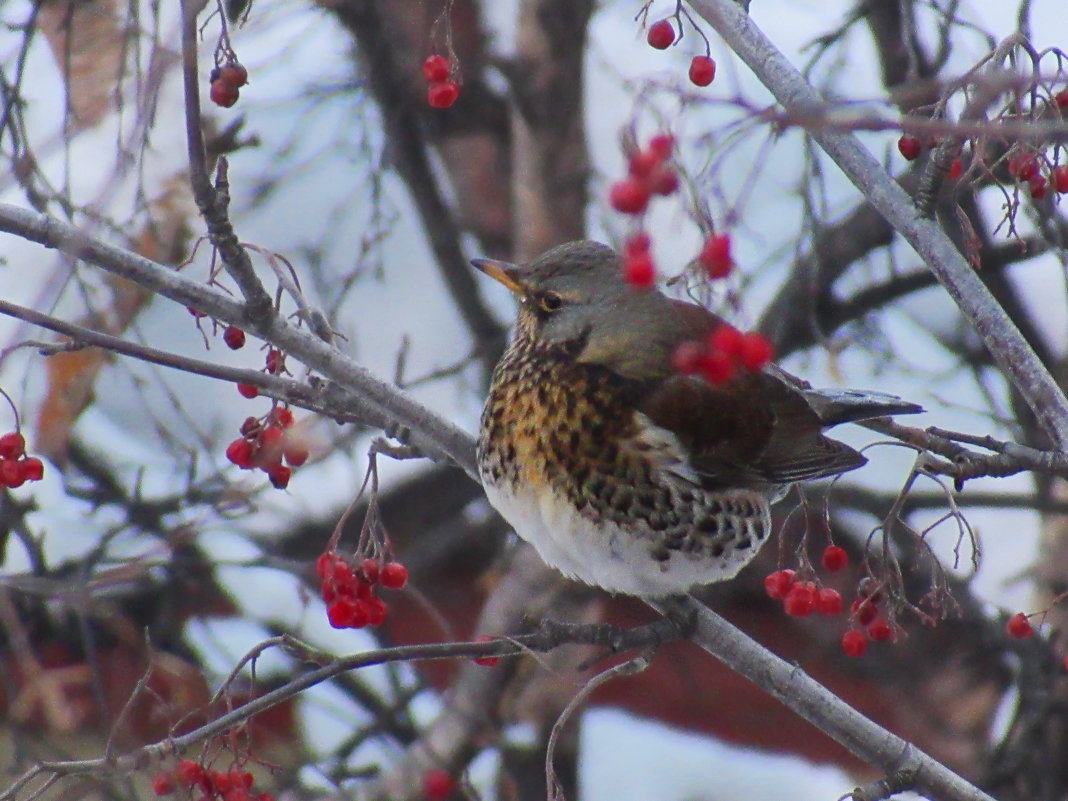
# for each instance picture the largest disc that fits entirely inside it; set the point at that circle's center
(752, 431)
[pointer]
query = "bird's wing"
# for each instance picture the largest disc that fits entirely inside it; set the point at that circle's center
(748, 432)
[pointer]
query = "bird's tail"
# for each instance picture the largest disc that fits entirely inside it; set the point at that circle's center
(836, 406)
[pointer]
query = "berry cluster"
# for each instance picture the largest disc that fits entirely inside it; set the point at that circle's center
(350, 592)
(802, 598)
(226, 82)
(265, 442)
(1027, 169)
(661, 35)
(648, 174)
(721, 354)
(441, 90)
(16, 468)
(232, 785)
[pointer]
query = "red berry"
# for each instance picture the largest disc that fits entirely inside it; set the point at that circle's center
(661, 34)
(1026, 166)
(248, 390)
(1019, 627)
(32, 469)
(663, 181)
(394, 575)
(662, 146)
(279, 475)
(239, 452)
(442, 94)
(702, 70)
(195, 312)
(11, 475)
(296, 453)
(717, 368)
(756, 352)
(275, 361)
(910, 147)
(1060, 178)
(188, 772)
(1061, 98)
(163, 784)
(370, 569)
(643, 163)
(340, 613)
(282, 417)
(438, 785)
(629, 196)
(829, 602)
(880, 630)
(324, 565)
(234, 337)
(222, 782)
(688, 358)
(727, 340)
(12, 445)
(234, 74)
(864, 611)
(436, 69)
(639, 270)
(486, 661)
(854, 643)
(834, 558)
(251, 426)
(637, 243)
(376, 611)
(955, 169)
(1038, 186)
(270, 445)
(801, 600)
(223, 94)
(778, 584)
(715, 256)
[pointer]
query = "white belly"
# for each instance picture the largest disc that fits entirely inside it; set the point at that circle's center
(604, 554)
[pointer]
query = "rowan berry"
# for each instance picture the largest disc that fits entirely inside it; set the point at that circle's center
(715, 256)
(702, 71)
(438, 785)
(662, 145)
(880, 630)
(854, 643)
(436, 69)
(224, 94)
(829, 602)
(163, 784)
(801, 600)
(661, 34)
(756, 351)
(234, 337)
(629, 196)
(639, 270)
(1019, 627)
(248, 390)
(32, 468)
(442, 94)
(394, 575)
(834, 558)
(910, 147)
(1060, 178)
(234, 74)
(12, 445)
(778, 584)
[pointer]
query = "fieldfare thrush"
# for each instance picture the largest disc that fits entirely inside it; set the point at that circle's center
(622, 472)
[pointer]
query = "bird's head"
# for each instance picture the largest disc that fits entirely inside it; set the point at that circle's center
(575, 290)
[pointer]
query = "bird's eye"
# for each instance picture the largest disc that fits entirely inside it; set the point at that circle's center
(550, 301)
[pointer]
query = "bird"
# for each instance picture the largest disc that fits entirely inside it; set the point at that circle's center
(622, 472)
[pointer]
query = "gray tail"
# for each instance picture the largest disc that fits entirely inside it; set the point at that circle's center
(836, 406)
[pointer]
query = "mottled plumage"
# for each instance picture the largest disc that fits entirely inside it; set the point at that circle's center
(622, 473)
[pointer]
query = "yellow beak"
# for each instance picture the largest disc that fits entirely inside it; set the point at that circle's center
(501, 271)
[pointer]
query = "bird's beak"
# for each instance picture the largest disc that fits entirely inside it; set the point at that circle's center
(507, 274)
